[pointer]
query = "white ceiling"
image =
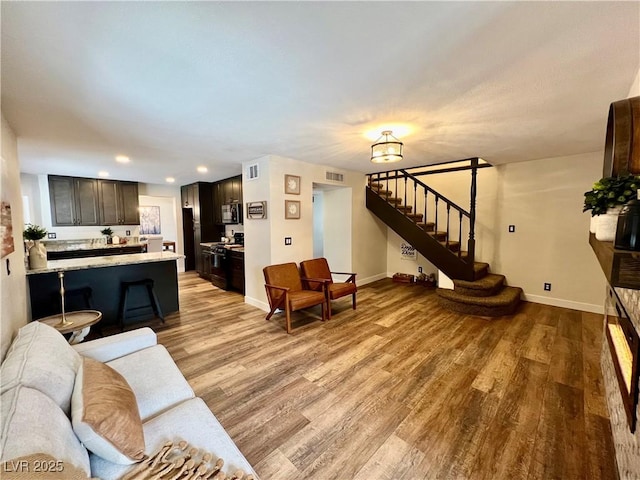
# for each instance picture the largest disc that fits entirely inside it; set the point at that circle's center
(174, 85)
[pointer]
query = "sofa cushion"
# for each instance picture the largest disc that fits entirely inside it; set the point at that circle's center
(191, 421)
(32, 423)
(105, 415)
(154, 378)
(41, 358)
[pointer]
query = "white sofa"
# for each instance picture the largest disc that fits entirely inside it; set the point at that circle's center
(37, 381)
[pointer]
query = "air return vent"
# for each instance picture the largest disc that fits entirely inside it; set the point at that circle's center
(252, 172)
(335, 177)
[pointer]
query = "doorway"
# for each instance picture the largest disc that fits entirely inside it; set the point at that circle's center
(332, 225)
(188, 229)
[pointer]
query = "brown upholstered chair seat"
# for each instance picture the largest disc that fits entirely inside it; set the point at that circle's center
(341, 289)
(317, 276)
(305, 299)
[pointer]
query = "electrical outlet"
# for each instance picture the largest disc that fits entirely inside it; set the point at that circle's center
(419, 269)
(51, 235)
(512, 228)
(128, 233)
(287, 240)
(547, 287)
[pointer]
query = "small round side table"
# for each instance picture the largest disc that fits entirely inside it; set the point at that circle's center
(80, 323)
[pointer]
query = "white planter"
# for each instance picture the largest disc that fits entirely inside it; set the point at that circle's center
(592, 225)
(37, 256)
(606, 225)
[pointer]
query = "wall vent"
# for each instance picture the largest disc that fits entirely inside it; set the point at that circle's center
(252, 172)
(335, 177)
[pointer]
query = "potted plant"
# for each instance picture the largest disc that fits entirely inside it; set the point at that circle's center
(605, 201)
(108, 233)
(37, 253)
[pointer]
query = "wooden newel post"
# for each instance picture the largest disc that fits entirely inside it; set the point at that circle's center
(472, 210)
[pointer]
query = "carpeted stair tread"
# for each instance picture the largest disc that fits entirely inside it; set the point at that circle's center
(503, 303)
(438, 235)
(480, 269)
(487, 286)
(454, 245)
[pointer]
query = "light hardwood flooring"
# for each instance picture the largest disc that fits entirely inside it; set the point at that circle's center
(399, 388)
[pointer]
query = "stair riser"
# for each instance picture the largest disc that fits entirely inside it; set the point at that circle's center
(474, 292)
(478, 310)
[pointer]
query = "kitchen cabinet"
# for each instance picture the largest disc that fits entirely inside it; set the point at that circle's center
(118, 202)
(206, 264)
(225, 192)
(74, 201)
(236, 270)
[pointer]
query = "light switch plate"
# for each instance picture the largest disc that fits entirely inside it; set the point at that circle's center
(547, 287)
(128, 233)
(287, 240)
(512, 228)
(51, 235)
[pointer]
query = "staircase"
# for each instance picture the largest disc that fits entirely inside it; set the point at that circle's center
(409, 211)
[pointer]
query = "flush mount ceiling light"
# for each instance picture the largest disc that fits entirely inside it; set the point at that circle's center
(170, 179)
(103, 173)
(122, 159)
(387, 149)
(202, 169)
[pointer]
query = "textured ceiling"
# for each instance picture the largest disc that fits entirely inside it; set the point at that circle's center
(174, 85)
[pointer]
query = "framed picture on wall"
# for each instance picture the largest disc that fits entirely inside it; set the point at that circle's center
(292, 184)
(292, 209)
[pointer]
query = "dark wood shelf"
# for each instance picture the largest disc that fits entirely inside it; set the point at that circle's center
(621, 267)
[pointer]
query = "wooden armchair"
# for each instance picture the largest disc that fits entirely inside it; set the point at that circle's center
(284, 291)
(318, 276)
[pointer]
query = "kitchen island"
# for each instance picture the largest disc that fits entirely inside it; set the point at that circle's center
(103, 275)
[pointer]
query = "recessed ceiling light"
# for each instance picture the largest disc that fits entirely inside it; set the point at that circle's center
(202, 169)
(170, 179)
(103, 173)
(122, 159)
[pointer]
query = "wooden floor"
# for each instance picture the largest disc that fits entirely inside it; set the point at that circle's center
(399, 388)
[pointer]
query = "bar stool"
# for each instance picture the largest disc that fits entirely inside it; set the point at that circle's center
(125, 288)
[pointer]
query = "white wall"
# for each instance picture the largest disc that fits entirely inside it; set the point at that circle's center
(543, 199)
(318, 224)
(13, 279)
(337, 237)
(364, 247)
(634, 91)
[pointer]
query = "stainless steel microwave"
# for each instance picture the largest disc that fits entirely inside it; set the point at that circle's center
(232, 213)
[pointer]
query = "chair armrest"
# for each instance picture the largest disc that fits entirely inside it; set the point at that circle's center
(352, 276)
(108, 348)
(284, 289)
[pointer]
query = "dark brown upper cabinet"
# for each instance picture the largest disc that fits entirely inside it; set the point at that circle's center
(118, 202)
(74, 201)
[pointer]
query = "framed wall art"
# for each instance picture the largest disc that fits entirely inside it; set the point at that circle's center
(292, 184)
(292, 209)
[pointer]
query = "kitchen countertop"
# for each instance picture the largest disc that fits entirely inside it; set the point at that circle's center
(69, 247)
(106, 261)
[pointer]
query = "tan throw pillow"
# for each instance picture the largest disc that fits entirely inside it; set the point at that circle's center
(104, 414)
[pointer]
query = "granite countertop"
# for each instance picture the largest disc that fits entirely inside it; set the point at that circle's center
(67, 247)
(106, 261)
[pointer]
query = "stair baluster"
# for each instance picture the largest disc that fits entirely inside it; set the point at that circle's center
(460, 235)
(448, 212)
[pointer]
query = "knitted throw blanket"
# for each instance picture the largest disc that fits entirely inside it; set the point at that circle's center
(175, 461)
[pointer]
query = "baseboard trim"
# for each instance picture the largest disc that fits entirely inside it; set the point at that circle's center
(374, 278)
(257, 303)
(559, 302)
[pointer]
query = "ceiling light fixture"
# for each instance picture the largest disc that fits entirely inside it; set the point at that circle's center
(103, 173)
(122, 159)
(170, 179)
(387, 149)
(202, 169)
